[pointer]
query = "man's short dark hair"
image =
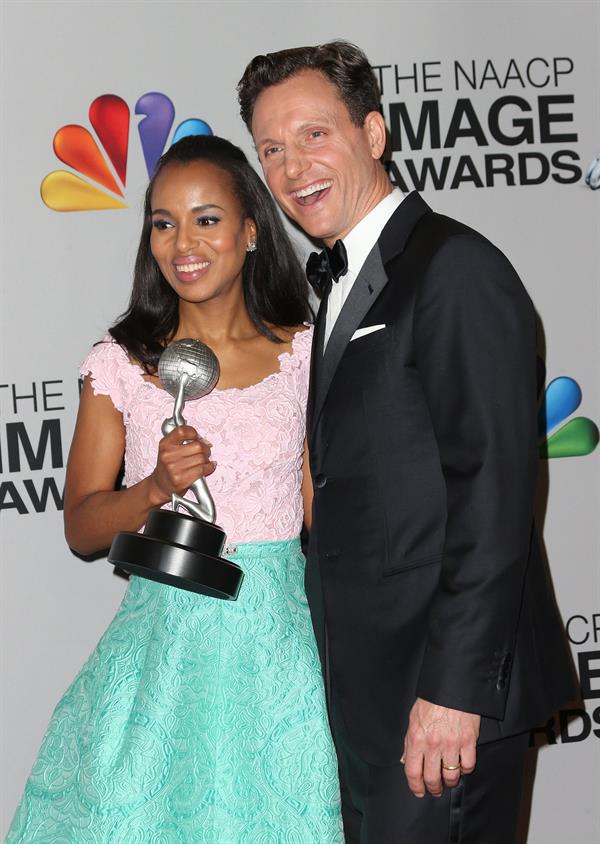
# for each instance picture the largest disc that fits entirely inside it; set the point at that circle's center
(341, 63)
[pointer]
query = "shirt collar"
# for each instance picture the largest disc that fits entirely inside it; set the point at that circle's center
(363, 237)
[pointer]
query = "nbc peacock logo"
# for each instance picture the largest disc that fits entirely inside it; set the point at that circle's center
(579, 436)
(98, 174)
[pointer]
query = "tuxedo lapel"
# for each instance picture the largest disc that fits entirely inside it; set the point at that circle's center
(316, 360)
(370, 282)
(399, 227)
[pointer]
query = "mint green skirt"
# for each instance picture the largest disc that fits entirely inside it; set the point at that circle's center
(194, 721)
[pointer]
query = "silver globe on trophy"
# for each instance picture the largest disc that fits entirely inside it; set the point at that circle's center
(182, 549)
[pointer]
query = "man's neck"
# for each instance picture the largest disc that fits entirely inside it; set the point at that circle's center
(381, 188)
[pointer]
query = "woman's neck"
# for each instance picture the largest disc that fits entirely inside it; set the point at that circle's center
(214, 323)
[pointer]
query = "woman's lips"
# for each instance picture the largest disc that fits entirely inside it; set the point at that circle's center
(190, 269)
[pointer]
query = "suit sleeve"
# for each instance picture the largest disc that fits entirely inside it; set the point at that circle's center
(474, 334)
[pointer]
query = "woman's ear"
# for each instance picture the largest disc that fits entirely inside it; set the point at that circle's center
(250, 235)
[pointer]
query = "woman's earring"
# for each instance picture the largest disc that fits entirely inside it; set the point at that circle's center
(251, 246)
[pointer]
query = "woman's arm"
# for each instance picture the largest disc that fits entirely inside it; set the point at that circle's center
(307, 488)
(94, 512)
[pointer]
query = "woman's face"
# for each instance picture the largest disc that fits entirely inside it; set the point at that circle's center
(199, 235)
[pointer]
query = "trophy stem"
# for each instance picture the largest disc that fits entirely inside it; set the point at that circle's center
(204, 506)
(180, 400)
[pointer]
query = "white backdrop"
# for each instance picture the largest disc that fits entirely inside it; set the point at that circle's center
(65, 276)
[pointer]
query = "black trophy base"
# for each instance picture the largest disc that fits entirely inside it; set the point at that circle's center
(179, 550)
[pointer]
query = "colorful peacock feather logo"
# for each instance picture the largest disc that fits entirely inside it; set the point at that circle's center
(575, 439)
(98, 182)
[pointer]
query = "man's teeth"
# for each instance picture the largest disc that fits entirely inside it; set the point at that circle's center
(191, 268)
(312, 189)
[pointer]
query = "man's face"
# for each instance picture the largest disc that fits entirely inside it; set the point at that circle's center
(322, 169)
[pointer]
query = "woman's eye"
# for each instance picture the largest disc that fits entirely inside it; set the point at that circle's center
(161, 225)
(207, 221)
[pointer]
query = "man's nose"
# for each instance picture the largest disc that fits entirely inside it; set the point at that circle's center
(296, 162)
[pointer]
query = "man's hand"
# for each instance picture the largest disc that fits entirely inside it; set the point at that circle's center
(437, 739)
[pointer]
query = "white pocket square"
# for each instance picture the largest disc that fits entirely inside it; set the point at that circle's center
(369, 329)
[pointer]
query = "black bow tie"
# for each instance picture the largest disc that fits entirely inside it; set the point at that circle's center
(326, 266)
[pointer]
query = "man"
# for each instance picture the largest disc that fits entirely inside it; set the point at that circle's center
(439, 636)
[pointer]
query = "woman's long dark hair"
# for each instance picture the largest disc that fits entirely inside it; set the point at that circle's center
(274, 284)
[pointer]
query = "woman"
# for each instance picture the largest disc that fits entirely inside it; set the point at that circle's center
(195, 719)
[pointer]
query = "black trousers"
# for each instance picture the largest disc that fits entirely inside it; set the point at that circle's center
(379, 808)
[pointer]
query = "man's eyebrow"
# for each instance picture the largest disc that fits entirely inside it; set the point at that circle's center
(263, 141)
(325, 117)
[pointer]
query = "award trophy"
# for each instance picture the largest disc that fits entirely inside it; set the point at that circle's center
(182, 549)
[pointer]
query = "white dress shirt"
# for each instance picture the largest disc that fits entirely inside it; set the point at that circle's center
(359, 242)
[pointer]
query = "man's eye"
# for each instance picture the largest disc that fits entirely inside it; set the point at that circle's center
(161, 225)
(316, 133)
(271, 150)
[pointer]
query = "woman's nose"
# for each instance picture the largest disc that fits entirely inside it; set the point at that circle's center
(185, 239)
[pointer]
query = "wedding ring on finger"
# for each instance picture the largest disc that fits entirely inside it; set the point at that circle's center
(450, 767)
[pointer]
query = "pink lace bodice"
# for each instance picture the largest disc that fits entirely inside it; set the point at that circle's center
(257, 436)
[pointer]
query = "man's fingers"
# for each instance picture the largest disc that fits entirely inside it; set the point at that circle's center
(451, 760)
(413, 768)
(451, 770)
(468, 758)
(432, 773)
(440, 746)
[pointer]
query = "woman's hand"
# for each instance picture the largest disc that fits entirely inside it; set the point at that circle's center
(183, 457)
(94, 511)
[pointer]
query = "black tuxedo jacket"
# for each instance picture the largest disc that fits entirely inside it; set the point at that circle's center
(424, 573)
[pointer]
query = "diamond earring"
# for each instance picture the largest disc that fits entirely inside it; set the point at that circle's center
(251, 246)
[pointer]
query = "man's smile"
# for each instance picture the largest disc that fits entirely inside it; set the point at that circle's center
(311, 193)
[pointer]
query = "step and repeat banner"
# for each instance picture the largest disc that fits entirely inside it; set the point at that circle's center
(494, 115)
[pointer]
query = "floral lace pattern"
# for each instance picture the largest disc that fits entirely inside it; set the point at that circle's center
(195, 720)
(257, 436)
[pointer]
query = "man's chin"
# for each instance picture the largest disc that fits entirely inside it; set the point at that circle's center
(313, 228)
(312, 223)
